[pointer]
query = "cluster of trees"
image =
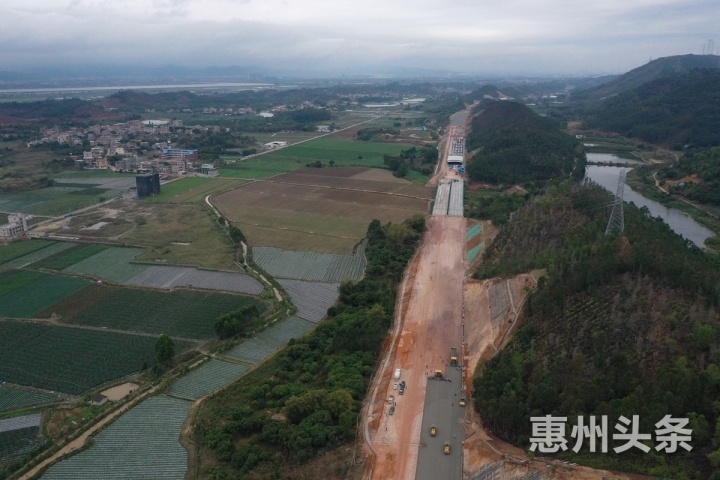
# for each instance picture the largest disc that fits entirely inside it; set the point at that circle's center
(676, 110)
(375, 133)
(705, 163)
(496, 208)
(240, 322)
(515, 145)
(213, 143)
(420, 159)
(619, 326)
(306, 400)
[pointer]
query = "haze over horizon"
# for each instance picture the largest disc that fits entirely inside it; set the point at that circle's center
(515, 37)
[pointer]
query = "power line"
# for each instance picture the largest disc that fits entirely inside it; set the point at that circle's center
(616, 224)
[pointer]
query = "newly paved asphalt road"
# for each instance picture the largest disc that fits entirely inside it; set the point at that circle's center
(442, 411)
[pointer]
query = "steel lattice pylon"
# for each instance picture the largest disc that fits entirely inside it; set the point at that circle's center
(616, 224)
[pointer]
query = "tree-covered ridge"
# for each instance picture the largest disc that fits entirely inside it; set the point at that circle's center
(655, 69)
(620, 326)
(675, 111)
(305, 402)
(513, 144)
(703, 162)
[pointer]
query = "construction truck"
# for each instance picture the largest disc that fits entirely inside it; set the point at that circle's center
(453, 357)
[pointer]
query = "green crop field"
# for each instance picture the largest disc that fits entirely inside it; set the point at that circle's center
(169, 190)
(18, 249)
(110, 264)
(342, 151)
(25, 295)
(38, 255)
(14, 398)
(143, 443)
(70, 257)
(51, 201)
(181, 313)
(94, 174)
(71, 360)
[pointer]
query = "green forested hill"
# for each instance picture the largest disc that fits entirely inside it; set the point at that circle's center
(620, 326)
(676, 111)
(659, 68)
(513, 144)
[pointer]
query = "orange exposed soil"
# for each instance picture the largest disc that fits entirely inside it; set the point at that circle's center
(430, 326)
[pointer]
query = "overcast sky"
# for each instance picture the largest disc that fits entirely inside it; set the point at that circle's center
(466, 36)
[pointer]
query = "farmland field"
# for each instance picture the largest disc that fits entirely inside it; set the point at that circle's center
(270, 340)
(179, 313)
(70, 257)
(14, 398)
(38, 255)
(294, 240)
(207, 378)
(170, 189)
(27, 294)
(18, 249)
(198, 194)
(326, 213)
(311, 298)
(16, 443)
(54, 201)
(169, 277)
(111, 264)
(68, 359)
(318, 267)
(342, 151)
(145, 439)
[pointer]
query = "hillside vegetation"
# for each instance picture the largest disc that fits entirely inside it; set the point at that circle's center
(664, 67)
(513, 144)
(620, 326)
(676, 111)
(703, 162)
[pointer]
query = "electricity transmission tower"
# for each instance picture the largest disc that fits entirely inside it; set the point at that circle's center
(616, 224)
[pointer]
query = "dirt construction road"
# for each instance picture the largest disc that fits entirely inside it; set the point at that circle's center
(431, 325)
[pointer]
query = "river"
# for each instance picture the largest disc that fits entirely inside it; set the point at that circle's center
(679, 221)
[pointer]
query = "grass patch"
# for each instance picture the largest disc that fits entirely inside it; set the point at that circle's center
(183, 234)
(169, 190)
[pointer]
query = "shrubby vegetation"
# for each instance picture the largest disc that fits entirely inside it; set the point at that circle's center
(375, 133)
(620, 326)
(240, 322)
(705, 163)
(512, 144)
(306, 400)
(421, 160)
(496, 208)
